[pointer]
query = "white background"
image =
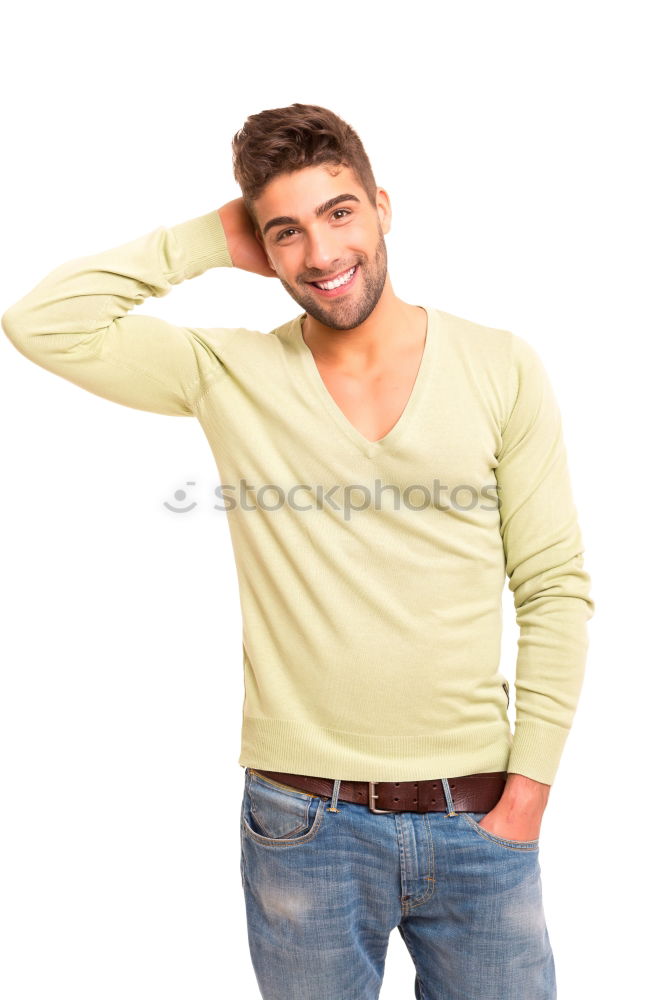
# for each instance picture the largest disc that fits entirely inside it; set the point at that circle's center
(519, 143)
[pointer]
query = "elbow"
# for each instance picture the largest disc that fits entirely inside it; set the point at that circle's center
(17, 330)
(26, 334)
(560, 586)
(11, 324)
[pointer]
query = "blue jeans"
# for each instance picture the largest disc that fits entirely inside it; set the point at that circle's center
(324, 889)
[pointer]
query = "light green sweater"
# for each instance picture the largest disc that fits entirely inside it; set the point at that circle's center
(370, 573)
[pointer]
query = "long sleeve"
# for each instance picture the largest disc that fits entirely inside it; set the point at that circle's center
(75, 322)
(544, 563)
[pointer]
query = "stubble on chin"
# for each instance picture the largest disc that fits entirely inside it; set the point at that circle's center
(342, 315)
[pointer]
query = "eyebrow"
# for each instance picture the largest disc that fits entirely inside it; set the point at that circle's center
(286, 220)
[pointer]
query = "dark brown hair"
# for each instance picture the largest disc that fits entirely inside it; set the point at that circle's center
(282, 140)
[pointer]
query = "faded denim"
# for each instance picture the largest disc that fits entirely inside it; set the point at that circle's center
(324, 889)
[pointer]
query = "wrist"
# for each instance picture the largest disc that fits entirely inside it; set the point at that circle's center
(524, 794)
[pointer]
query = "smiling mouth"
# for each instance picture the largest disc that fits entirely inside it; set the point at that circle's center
(340, 279)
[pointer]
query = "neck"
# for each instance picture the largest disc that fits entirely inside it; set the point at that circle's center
(391, 326)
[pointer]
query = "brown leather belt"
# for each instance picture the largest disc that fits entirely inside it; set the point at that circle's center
(470, 793)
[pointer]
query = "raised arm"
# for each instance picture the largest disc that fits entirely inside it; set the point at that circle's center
(76, 322)
(544, 563)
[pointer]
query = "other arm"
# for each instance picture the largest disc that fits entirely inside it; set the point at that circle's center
(76, 322)
(544, 563)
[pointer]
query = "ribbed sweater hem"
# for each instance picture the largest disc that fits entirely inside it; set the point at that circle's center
(300, 748)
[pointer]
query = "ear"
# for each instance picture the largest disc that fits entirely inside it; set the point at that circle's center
(383, 204)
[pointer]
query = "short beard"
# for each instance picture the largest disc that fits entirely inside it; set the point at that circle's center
(348, 315)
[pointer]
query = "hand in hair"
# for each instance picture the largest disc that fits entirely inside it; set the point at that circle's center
(246, 251)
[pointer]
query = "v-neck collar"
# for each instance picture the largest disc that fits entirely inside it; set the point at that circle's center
(313, 375)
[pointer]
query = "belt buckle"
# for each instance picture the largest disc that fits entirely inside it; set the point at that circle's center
(372, 797)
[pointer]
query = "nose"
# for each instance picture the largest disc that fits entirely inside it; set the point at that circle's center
(322, 253)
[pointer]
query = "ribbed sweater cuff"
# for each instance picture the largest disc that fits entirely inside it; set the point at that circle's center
(203, 243)
(536, 750)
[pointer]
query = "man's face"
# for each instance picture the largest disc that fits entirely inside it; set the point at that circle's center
(316, 224)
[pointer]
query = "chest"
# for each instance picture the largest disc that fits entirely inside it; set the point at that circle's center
(374, 403)
(284, 418)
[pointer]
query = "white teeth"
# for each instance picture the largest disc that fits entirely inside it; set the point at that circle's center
(342, 280)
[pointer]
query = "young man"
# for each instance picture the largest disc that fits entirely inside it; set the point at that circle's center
(386, 466)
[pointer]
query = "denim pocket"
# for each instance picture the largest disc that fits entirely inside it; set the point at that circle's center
(274, 814)
(472, 819)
